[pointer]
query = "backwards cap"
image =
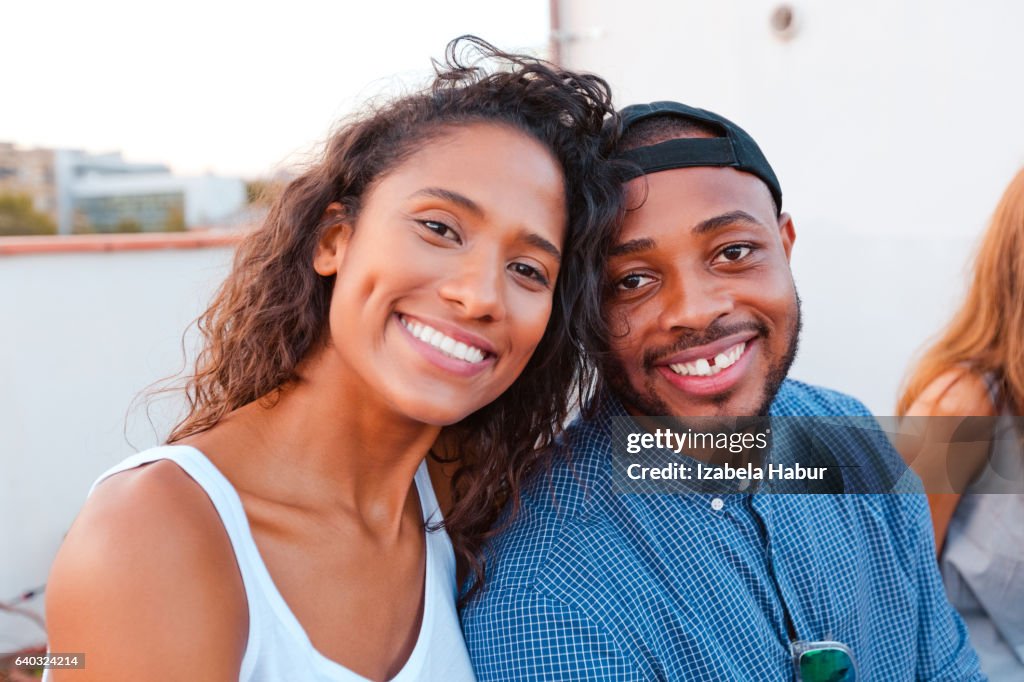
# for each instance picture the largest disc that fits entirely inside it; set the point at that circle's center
(735, 148)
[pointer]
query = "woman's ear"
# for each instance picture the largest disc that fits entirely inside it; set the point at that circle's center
(330, 250)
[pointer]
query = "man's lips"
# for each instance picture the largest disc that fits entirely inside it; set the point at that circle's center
(702, 378)
(707, 351)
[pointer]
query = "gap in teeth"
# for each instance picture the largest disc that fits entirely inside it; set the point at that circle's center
(710, 366)
(442, 342)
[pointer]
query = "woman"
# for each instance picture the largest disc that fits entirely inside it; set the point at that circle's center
(401, 285)
(976, 368)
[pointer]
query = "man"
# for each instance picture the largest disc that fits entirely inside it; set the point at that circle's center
(589, 582)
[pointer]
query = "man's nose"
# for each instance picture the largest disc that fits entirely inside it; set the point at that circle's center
(476, 286)
(694, 301)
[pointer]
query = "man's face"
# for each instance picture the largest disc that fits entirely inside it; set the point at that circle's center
(703, 312)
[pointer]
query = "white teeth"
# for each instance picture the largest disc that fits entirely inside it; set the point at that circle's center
(702, 367)
(442, 342)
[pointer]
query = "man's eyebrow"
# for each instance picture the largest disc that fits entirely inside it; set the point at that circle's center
(534, 239)
(724, 220)
(449, 195)
(632, 246)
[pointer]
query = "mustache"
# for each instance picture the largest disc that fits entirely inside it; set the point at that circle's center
(692, 339)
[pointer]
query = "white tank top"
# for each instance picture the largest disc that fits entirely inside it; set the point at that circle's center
(278, 648)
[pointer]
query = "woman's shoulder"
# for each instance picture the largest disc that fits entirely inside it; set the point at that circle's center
(151, 491)
(957, 392)
(152, 499)
(136, 578)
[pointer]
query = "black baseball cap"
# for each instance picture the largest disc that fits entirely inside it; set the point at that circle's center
(735, 148)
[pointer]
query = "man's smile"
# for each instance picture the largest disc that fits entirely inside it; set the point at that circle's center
(710, 358)
(718, 367)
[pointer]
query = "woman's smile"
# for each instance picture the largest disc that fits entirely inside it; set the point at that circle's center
(451, 349)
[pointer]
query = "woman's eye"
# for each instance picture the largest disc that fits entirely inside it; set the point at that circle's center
(441, 230)
(633, 281)
(524, 270)
(735, 252)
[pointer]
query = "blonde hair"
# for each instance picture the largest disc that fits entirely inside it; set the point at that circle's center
(987, 333)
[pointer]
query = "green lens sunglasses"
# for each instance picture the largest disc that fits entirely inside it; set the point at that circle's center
(823, 662)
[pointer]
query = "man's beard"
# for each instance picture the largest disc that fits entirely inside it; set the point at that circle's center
(649, 404)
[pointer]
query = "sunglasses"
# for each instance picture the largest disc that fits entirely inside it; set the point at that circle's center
(823, 662)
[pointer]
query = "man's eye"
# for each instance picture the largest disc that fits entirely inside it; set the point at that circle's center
(633, 281)
(524, 270)
(736, 252)
(441, 230)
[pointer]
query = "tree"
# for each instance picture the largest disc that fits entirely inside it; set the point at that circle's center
(263, 192)
(175, 221)
(128, 225)
(19, 217)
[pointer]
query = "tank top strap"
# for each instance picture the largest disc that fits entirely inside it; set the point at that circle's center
(993, 382)
(221, 493)
(232, 514)
(429, 505)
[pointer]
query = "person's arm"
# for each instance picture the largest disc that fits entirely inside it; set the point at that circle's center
(944, 653)
(146, 584)
(518, 633)
(957, 393)
(942, 506)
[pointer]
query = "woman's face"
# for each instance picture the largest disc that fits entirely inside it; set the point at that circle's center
(444, 283)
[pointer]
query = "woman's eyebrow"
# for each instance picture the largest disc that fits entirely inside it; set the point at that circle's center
(534, 239)
(448, 195)
(531, 238)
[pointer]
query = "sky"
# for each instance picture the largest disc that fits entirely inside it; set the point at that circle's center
(233, 88)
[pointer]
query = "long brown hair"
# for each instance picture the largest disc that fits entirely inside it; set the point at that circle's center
(272, 309)
(987, 332)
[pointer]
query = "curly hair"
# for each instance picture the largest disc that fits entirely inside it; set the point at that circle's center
(272, 309)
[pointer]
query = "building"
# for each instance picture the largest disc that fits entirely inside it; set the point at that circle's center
(29, 172)
(154, 202)
(83, 192)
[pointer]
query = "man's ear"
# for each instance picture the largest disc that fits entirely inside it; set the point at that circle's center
(330, 250)
(787, 233)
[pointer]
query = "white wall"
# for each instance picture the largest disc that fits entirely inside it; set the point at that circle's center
(893, 125)
(81, 334)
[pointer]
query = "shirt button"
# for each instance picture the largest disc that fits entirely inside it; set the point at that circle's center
(717, 504)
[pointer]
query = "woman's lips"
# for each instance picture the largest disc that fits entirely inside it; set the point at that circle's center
(446, 351)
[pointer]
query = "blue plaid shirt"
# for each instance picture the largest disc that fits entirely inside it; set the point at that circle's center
(589, 584)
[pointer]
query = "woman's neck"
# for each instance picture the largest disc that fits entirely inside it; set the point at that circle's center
(325, 441)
